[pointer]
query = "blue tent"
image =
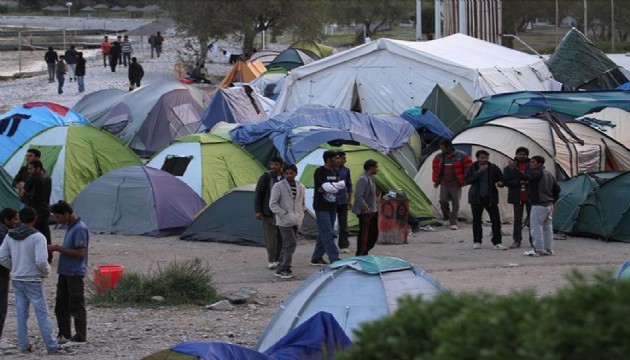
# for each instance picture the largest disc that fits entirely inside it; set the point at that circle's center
(233, 105)
(423, 118)
(297, 132)
(23, 122)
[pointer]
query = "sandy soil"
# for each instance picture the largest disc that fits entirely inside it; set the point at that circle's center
(130, 333)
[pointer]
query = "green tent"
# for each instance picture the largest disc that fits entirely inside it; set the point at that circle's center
(452, 106)
(8, 194)
(390, 177)
(320, 50)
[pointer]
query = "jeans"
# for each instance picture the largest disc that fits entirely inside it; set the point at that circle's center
(289, 244)
(273, 239)
(71, 71)
(51, 72)
(81, 83)
(70, 303)
(5, 281)
(27, 292)
(495, 218)
(342, 219)
(452, 194)
(126, 58)
(60, 79)
(541, 227)
(325, 237)
(152, 50)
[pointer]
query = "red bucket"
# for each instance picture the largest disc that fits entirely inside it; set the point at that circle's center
(106, 277)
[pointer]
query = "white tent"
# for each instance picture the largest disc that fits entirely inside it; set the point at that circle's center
(390, 76)
(618, 118)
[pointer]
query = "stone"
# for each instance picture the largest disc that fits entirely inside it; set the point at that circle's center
(157, 298)
(223, 305)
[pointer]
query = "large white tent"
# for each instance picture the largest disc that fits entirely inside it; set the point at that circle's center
(389, 76)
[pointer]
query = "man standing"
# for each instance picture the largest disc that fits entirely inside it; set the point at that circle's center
(119, 41)
(115, 51)
(449, 168)
(80, 72)
(484, 177)
(287, 203)
(20, 179)
(126, 51)
(60, 72)
(157, 43)
(136, 73)
(8, 220)
(71, 59)
(24, 252)
(366, 208)
(152, 44)
(72, 267)
(325, 205)
(517, 193)
(343, 202)
(542, 191)
(105, 47)
(51, 58)
(36, 194)
(262, 195)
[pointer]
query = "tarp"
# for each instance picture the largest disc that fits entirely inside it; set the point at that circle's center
(8, 194)
(351, 295)
(579, 64)
(74, 156)
(452, 106)
(234, 105)
(389, 76)
(569, 103)
(138, 200)
(22, 122)
(244, 72)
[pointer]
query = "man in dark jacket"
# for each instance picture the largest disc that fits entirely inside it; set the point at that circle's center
(262, 195)
(136, 73)
(36, 194)
(80, 72)
(483, 178)
(517, 193)
(71, 56)
(114, 52)
(51, 58)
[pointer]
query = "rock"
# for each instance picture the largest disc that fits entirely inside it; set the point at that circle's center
(238, 298)
(223, 305)
(157, 298)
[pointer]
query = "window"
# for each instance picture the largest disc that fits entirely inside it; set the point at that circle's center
(176, 165)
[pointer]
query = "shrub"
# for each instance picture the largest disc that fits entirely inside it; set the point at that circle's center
(588, 319)
(188, 282)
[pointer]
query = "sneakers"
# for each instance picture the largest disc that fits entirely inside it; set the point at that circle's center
(548, 253)
(454, 227)
(285, 274)
(270, 266)
(6, 346)
(515, 245)
(28, 350)
(500, 247)
(429, 228)
(321, 262)
(62, 340)
(476, 246)
(62, 351)
(532, 253)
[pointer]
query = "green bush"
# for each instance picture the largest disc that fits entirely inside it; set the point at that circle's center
(589, 319)
(188, 282)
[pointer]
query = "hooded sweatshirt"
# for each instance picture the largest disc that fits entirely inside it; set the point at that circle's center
(24, 251)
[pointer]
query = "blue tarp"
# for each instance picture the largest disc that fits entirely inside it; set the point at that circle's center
(296, 132)
(318, 338)
(625, 86)
(423, 118)
(25, 121)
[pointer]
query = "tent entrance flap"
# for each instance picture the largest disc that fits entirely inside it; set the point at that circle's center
(176, 165)
(589, 157)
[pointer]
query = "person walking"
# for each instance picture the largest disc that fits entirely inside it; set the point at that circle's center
(366, 208)
(80, 72)
(158, 40)
(8, 220)
(105, 47)
(60, 72)
(262, 196)
(344, 202)
(127, 50)
(24, 252)
(152, 44)
(449, 167)
(326, 185)
(543, 192)
(36, 194)
(483, 178)
(287, 203)
(71, 56)
(136, 73)
(114, 52)
(517, 193)
(72, 268)
(51, 58)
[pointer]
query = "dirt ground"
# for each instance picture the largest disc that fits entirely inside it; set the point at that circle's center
(131, 333)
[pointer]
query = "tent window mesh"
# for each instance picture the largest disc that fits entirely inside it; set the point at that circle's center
(589, 157)
(176, 165)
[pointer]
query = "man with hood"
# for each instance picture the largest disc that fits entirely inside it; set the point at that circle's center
(24, 252)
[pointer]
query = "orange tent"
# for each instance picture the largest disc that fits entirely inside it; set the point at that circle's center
(243, 71)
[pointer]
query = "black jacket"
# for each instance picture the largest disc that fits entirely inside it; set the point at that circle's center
(79, 70)
(51, 57)
(512, 180)
(473, 178)
(542, 188)
(262, 194)
(136, 72)
(71, 56)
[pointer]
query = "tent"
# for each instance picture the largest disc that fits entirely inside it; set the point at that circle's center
(96, 104)
(430, 129)
(265, 56)
(138, 200)
(234, 105)
(74, 156)
(291, 58)
(271, 82)
(612, 121)
(569, 103)
(22, 122)
(244, 72)
(452, 106)
(149, 117)
(217, 221)
(389, 76)
(8, 194)
(354, 290)
(320, 50)
(390, 177)
(579, 64)
(209, 164)
(623, 273)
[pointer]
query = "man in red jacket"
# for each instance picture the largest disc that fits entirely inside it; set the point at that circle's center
(449, 168)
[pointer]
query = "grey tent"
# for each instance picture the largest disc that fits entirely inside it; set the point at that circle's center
(217, 223)
(138, 200)
(234, 105)
(354, 290)
(96, 104)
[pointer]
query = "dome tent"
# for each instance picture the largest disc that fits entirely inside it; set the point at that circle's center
(8, 194)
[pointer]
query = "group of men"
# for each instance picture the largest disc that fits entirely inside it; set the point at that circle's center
(532, 190)
(26, 254)
(71, 63)
(280, 204)
(119, 53)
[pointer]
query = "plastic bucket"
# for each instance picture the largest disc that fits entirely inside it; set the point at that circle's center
(106, 277)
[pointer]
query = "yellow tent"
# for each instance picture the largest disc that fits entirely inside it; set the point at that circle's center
(243, 71)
